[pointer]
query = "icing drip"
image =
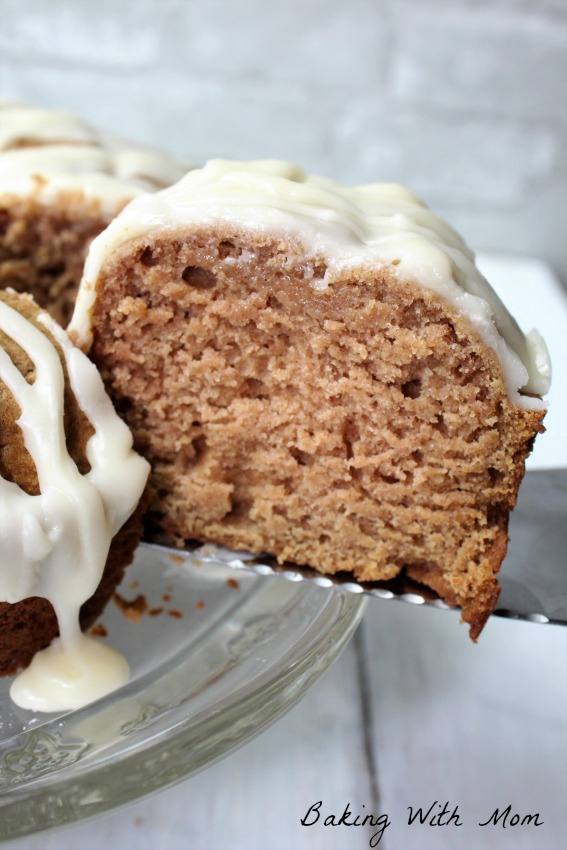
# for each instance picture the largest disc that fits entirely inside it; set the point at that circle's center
(347, 228)
(55, 544)
(64, 677)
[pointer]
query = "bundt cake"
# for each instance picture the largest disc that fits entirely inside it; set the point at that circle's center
(61, 182)
(70, 484)
(316, 372)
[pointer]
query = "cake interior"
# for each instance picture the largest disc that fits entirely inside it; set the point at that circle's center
(349, 421)
(43, 247)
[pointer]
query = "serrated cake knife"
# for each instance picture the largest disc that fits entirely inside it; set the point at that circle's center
(533, 576)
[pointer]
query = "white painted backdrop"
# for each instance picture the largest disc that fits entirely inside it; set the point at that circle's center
(464, 100)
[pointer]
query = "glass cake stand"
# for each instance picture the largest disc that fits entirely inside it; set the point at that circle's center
(214, 659)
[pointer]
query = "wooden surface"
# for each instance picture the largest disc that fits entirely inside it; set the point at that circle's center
(412, 713)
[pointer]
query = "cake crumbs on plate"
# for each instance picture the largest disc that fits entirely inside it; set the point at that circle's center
(176, 559)
(133, 609)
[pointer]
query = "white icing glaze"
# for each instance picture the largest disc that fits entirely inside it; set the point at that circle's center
(69, 155)
(21, 123)
(358, 227)
(55, 544)
(62, 678)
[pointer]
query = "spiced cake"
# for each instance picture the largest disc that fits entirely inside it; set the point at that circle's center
(61, 182)
(69, 486)
(317, 372)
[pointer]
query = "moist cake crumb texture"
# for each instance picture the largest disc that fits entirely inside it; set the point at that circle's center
(61, 183)
(43, 248)
(363, 426)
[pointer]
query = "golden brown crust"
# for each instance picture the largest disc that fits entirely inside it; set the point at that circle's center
(30, 625)
(363, 427)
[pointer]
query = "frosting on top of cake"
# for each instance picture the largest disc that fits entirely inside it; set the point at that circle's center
(55, 544)
(345, 227)
(46, 152)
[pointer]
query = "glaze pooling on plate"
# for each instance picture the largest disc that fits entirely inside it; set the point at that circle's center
(55, 544)
(195, 693)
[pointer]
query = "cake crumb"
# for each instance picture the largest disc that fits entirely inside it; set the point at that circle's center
(132, 609)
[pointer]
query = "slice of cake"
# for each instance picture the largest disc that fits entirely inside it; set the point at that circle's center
(70, 484)
(61, 182)
(319, 373)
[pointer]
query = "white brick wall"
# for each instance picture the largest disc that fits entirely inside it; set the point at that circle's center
(464, 100)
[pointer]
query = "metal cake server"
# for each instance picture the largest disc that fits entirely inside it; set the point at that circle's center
(533, 576)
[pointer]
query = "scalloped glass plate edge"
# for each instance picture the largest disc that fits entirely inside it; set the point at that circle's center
(190, 746)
